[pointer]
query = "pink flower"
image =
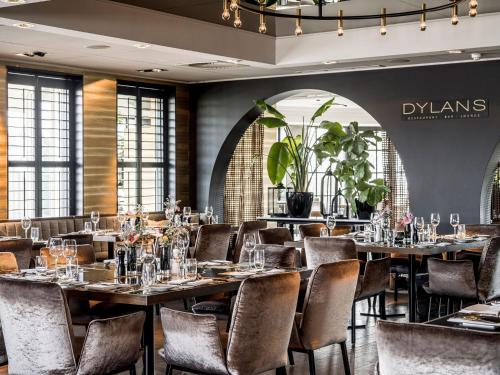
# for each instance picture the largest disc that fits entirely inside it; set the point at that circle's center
(406, 219)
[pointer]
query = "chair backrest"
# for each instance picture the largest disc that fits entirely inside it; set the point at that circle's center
(421, 349)
(328, 302)
(485, 229)
(446, 279)
(275, 236)
(212, 242)
(322, 250)
(262, 320)
(311, 230)
(488, 284)
(245, 228)
(8, 263)
(21, 249)
(80, 238)
(275, 255)
(36, 327)
(85, 255)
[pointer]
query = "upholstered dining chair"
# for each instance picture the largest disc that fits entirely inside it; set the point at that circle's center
(21, 248)
(275, 236)
(245, 228)
(455, 279)
(258, 338)
(110, 346)
(275, 256)
(371, 284)
(311, 230)
(8, 263)
(474, 254)
(422, 349)
(212, 242)
(325, 314)
(84, 254)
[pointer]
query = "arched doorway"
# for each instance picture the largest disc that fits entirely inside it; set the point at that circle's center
(490, 192)
(298, 106)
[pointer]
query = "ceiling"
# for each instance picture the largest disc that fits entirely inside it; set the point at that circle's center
(188, 40)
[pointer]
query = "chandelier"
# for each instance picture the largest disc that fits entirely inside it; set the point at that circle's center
(281, 9)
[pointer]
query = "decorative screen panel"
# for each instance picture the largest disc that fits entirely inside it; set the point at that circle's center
(21, 192)
(21, 122)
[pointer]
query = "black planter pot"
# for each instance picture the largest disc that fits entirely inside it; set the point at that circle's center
(299, 204)
(364, 210)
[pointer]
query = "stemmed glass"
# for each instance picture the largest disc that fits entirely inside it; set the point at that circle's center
(94, 218)
(69, 252)
(121, 218)
(183, 245)
(209, 211)
(26, 224)
(56, 250)
(419, 226)
(186, 213)
(454, 221)
(435, 220)
(331, 222)
(250, 243)
(169, 213)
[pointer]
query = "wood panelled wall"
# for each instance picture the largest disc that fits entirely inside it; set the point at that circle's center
(99, 144)
(3, 144)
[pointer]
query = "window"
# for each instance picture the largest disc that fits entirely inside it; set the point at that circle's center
(41, 144)
(141, 132)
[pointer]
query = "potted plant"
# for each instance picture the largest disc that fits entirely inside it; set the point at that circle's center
(293, 157)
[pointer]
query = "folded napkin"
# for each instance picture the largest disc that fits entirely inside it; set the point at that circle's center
(104, 286)
(188, 282)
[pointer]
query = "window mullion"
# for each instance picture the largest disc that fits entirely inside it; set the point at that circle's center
(139, 145)
(38, 149)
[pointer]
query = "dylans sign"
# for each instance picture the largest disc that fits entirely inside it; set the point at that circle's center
(445, 109)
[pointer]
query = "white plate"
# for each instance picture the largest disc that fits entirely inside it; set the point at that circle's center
(237, 274)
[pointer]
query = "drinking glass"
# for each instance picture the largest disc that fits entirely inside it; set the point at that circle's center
(249, 242)
(427, 233)
(26, 224)
(209, 211)
(391, 237)
(454, 221)
(435, 220)
(145, 218)
(331, 222)
(461, 232)
(94, 218)
(56, 250)
(35, 234)
(190, 269)
(148, 276)
(88, 227)
(215, 219)
(169, 213)
(419, 226)
(323, 232)
(259, 259)
(69, 252)
(121, 217)
(373, 218)
(148, 253)
(186, 214)
(41, 264)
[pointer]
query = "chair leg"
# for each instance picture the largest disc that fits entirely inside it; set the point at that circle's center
(290, 358)
(281, 371)
(157, 308)
(353, 323)
(369, 304)
(396, 277)
(381, 305)
(439, 308)
(312, 365)
(430, 307)
(169, 370)
(448, 306)
(345, 358)
(132, 370)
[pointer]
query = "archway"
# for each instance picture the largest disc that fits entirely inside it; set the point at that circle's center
(487, 188)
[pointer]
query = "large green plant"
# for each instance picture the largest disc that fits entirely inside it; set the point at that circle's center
(293, 155)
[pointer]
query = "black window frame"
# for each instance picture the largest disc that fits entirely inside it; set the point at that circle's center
(39, 79)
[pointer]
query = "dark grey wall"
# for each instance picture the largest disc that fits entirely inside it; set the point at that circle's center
(445, 160)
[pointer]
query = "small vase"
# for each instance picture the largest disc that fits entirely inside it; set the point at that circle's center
(408, 233)
(165, 257)
(299, 204)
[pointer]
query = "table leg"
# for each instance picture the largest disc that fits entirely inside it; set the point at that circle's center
(412, 288)
(148, 338)
(111, 250)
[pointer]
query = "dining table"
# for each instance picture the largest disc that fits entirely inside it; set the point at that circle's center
(445, 245)
(98, 282)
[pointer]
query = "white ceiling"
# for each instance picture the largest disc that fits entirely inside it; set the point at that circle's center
(65, 28)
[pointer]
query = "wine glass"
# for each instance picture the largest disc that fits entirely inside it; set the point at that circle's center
(148, 253)
(56, 250)
(324, 232)
(69, 252)
(454, 221)
(94, 218)
(182, 241)
(419, 226)
(250, 243)
(121, 217)
(209, 211)
(186, 214)
(26, 224)
(331, 222)
(41, 264)
(435, 220)
(169, 213)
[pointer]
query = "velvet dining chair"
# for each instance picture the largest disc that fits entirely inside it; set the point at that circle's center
(245, 228)
(212, 242)
(275, 236)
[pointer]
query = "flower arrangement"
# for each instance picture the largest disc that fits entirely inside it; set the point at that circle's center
(405, 220)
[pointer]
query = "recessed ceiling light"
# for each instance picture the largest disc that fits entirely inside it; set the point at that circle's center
(152, 70)
(32, 54)
(455, 51)
(24, 25)
(142, 45)
(329, 62)
(233, 61)
(14, 1)
(98, 46)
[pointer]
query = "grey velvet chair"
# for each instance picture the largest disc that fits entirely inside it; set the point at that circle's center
(326, 311)
(245, 228)
(275, 256)
(38, 334)
(8, 263)
(258, 338)
(423, 349)
(371, 284)
(21, 248)
(275, 236)
(456, 279)
(212, 242)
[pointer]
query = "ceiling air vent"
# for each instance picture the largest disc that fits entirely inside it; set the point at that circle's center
(218, 65)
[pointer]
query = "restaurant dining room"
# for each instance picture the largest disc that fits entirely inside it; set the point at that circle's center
(244, 187)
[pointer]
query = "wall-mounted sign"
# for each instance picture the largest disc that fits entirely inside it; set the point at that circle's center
(452, 109)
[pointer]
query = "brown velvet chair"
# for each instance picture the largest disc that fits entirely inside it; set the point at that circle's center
(85, 255)
(371, 284)
(48, 344)
(21, 248)
(423, 349)
(212, 242)
(245, 228)
(275, 256)
(456, 279)
(275, 236)
(8, 263)
(258, 338)
(311, 230)
(325, 314)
